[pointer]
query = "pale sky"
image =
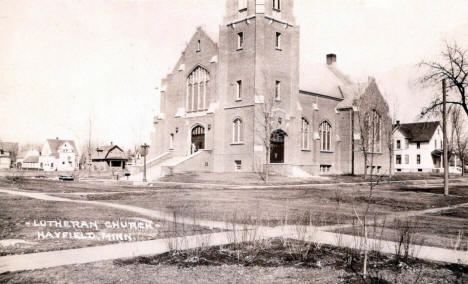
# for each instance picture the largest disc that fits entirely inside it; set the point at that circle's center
(64, 62)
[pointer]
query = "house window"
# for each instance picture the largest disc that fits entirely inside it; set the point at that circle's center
(418, 159)
(418, 145)
(398, 159)
(242, 5)
(239, 90)
(240, 40)
(407, 159)
(278, 40)
(51, 165)
(171, 141)
(305, 134)
(278, 90)
(435, 142)
(198, 46)
(237, 131)
(198, 95)
(419, 170)
(398, 144)
(325, 136)
(238, 165)
(406, 143)
(277, 5)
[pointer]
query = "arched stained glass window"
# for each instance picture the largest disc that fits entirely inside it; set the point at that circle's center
(197, 90)
(325, 136)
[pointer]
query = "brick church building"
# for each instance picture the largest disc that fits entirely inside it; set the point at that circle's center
(246, 98)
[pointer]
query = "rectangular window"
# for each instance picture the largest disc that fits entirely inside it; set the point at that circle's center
(239, 90)
(406, 143)
(240, 40)
(198, 46)
(238, 165)
(278, 90)
(407, 159)
(325, 168)
(278, 40)
(398, 144)
(435, 142)
(418, 159)
(398, 170)
(418, 145)
(398, 159)
(277, 5)
(419, 170)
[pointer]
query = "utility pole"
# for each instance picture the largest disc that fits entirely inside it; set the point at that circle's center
(444, 130)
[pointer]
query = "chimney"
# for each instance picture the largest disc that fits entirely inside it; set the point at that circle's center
(112, 143)
(331, 59)
(56, 138)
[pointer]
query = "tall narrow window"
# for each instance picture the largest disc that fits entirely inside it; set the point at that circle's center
(240, 40)
(278, 40)
(418, 159)
(237, 131)
(374, 134)
(398, 160)
(398, 144)
(238, 90)
(406, 159)
(198, 46)
(171, 142)
(277, 5)
(278, 90)
(305, 134)
(197, 90)
(418, 145)
(325, 136)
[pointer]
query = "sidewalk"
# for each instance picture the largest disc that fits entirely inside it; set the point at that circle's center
(134, 249)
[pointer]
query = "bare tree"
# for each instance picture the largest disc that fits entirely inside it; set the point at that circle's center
(459, 137)
(373, 122)
(267, 122)
(453, 66)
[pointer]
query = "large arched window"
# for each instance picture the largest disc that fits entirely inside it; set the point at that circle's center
(237, 131)
(305, 134)
(374, 132)
(197, 90)
(325, 136)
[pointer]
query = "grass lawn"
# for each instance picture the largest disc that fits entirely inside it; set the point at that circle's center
(271, 207)
(17, 211)
(269, 261)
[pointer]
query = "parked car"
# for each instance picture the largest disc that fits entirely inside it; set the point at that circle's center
(66, 178)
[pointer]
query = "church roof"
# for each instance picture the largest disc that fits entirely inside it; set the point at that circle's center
(322, 79)
(418, 131)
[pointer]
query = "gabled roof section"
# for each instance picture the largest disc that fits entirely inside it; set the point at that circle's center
(200, 33)
(418, 131)
(322, 79)
(54, 144)
(102, 153)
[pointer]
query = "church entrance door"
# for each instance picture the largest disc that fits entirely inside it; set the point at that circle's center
(277, 147)
(198, 139)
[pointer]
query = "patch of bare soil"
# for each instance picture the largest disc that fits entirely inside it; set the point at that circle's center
(296, 254)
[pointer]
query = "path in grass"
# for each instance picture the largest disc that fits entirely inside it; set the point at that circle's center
(124, 250)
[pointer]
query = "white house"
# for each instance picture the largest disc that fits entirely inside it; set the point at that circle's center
(418, 147)
(59, 155)
(8, 152)
(30, 160)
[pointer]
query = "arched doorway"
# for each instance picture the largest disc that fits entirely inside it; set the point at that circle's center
(277, 146)
(198, 139)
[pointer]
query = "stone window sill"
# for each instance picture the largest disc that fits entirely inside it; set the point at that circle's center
(325, 151)
(237, 143)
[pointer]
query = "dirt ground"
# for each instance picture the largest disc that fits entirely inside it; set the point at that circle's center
(270, 261)
(18, 216)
